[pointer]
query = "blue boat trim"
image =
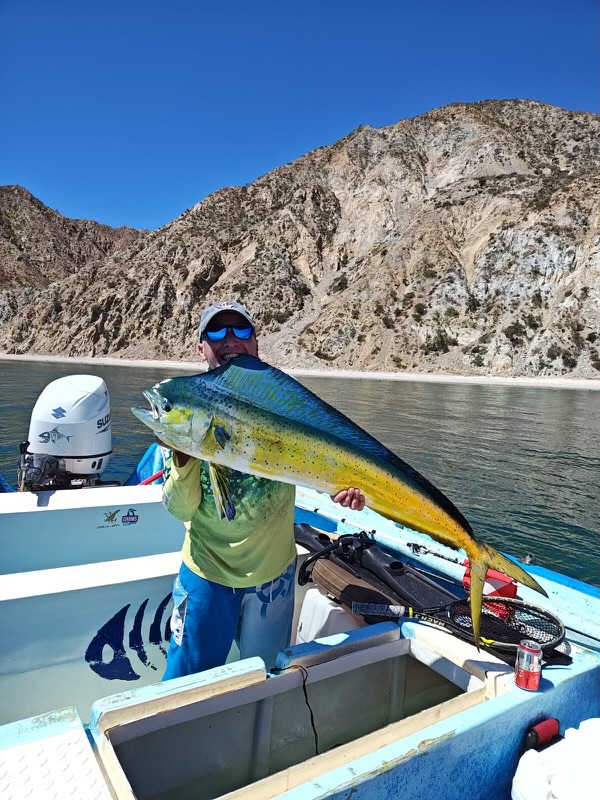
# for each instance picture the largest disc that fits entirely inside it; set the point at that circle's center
(303, 515)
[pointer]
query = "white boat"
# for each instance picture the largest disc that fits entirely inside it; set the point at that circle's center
(398, 706)
(395, 708)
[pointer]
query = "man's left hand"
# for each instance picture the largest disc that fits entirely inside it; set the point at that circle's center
(350, 498)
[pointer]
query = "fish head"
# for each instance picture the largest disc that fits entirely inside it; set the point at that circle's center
(172, 416)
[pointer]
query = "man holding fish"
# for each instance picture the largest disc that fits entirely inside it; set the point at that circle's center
(252, 430)
(236, 581)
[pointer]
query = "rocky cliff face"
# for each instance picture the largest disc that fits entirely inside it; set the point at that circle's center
(39, 247)
(463, 241)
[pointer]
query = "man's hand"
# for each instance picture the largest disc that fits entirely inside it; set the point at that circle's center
(350, 498)
(179, 458)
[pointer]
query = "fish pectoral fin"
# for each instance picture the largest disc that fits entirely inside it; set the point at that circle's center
(217, 435)
(221, 435)
(219, 482)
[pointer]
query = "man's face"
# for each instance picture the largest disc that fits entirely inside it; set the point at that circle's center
(218, 353)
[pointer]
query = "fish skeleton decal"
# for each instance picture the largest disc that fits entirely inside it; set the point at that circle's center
(52, 436)
(253, 418)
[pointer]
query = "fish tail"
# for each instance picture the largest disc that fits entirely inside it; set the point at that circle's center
(503, 564)
(488, 558)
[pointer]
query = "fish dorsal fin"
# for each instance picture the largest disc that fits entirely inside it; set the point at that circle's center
(253, 381)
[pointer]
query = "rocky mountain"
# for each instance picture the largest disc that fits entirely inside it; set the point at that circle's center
(464, 241)
(38, 246)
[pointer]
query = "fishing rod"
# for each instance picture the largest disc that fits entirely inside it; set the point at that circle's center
(152, 478)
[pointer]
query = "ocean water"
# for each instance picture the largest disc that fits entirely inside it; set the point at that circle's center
(521, 463)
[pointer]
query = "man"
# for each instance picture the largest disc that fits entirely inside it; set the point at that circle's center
(236, 581)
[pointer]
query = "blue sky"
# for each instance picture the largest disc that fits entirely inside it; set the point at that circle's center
(128, 112)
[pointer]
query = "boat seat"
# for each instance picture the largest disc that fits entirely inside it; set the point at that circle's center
(320, 651)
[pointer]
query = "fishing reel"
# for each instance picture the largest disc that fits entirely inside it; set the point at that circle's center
(349, 547)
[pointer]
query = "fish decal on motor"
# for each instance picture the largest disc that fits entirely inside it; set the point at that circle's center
(253, 418)
(52, 436)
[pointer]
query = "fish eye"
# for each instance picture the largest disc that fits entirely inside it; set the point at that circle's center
(166, 406)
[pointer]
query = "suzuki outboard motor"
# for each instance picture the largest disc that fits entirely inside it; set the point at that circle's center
(70, 435)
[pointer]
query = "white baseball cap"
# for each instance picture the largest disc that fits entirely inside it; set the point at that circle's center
(218, 308)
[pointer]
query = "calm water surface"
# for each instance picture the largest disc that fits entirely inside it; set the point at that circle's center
(521, 463)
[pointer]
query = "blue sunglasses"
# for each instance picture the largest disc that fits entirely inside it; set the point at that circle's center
(218, 334)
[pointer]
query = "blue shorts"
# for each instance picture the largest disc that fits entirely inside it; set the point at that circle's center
(208, 617)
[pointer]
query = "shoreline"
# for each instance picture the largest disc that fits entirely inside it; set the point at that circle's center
(416, 377)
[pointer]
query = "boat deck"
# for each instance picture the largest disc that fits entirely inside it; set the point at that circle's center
(49, 756)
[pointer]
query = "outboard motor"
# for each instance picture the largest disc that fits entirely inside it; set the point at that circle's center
(70, 436)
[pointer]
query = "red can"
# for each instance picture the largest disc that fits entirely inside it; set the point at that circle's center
(528, 665)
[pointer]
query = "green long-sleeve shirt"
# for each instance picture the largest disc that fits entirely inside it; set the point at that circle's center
(255, 547)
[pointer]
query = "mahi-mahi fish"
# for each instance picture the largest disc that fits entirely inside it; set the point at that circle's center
(253, 418)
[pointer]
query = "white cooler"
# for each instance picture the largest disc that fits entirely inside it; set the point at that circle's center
(323, 616)
(567, 770)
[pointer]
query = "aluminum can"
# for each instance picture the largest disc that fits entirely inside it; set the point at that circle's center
(528, 665)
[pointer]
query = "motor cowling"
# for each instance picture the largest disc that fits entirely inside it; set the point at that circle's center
(70, 434)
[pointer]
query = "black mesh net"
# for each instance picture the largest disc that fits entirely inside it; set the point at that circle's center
(505, 622)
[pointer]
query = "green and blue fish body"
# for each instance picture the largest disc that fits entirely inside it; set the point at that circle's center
(253, 418)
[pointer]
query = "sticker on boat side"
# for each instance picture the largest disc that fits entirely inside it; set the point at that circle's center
(116, 647)
(130, 518)
(111, 519)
